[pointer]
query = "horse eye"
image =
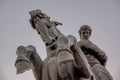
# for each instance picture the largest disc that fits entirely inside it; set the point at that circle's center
(38, 32)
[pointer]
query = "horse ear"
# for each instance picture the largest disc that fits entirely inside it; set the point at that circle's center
(32, 23)
(56, 23)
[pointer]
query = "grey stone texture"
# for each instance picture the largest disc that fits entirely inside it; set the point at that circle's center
(66, 58)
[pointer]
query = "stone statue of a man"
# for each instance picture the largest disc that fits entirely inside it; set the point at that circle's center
(96, 57)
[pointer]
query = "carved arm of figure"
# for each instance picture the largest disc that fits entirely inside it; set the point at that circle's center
(94, 50)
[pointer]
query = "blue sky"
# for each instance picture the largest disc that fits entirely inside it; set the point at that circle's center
(15, 30)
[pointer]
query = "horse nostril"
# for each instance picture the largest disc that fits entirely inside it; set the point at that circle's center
(56, 38)
(53, 40)
(47, 44)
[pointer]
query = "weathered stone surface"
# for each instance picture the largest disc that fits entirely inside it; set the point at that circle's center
(96, 57)
(66, 58)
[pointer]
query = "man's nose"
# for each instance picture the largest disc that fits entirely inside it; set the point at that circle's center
(86, 34)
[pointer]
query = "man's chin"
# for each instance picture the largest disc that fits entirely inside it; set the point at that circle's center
(86, 38)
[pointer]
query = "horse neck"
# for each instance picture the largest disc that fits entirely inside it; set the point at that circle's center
(50, 49)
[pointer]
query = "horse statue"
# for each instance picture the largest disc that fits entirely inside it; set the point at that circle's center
(64, 61)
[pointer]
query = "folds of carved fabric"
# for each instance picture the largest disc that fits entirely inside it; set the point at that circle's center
(99, 55)
(101, 72)
(22, 64)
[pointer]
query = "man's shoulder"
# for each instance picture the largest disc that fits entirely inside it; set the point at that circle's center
(79, 41)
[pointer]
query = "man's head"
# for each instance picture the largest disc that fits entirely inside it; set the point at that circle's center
(85, 32)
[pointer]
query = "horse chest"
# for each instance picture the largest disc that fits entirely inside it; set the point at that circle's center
(54, 71)
(65, 71)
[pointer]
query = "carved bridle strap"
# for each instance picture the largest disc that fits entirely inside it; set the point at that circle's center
(52, 41)
(64, 50)
(20, 60)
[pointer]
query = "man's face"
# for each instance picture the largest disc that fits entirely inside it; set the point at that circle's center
(85, 34)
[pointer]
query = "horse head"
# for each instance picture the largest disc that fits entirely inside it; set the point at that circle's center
(45, 28)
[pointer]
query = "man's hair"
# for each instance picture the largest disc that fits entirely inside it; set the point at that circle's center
(85, 27)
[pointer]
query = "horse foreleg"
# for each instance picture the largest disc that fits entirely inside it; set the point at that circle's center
(36, 61)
